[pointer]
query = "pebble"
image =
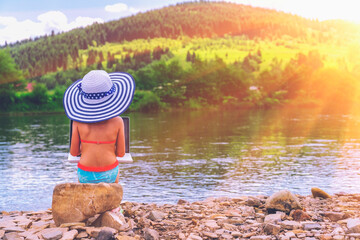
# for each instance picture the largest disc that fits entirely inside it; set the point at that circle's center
(308, 226)
(272, 218)
(151, 234)
(52, 235)
(290, 225)
(260, 238)
(156, 216)
(12, 236)
(210, 234)
(271, 229)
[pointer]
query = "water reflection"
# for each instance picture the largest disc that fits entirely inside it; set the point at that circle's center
(190, 155)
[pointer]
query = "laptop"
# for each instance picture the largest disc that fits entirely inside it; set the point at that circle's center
(125, 159)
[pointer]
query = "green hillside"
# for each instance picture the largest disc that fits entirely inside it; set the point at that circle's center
(199, 54)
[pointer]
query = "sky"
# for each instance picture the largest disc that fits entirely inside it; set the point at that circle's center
(21, 19)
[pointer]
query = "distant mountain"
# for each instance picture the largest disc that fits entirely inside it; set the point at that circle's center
(194, 19)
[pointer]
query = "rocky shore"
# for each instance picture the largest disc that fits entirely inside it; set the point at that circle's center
(280, 216)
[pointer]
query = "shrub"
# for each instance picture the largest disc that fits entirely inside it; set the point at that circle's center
(39, 95)
(146, 101)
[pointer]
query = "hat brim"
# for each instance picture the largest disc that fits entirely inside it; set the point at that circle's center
(78, 110)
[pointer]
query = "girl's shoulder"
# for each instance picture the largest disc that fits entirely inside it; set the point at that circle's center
(116, 121)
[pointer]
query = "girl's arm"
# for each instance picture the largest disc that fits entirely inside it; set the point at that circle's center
(120, 142)
(75, 140)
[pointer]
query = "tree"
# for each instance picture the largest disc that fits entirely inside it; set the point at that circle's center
(9, 70)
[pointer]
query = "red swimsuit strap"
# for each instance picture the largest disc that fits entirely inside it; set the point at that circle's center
(98, 142)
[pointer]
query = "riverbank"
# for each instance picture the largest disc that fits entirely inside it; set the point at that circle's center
(244, 217)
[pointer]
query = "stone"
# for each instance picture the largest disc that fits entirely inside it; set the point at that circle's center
(110, 219)
(193, 236)
(32, 237)
(290, 225)
(335, 216)
(82, 235)
(317, 192)
(156, 216)
(40, 225)
(261, 237)
(71, 225)
(7, 224)
(249, 235)
(230, 227)
(253, 201)
(76, 202)
(125, 238)
(105, 235)
(69, 235)
(29, 236)
(26, 223)
(300, 215)
(272, 218)
(210, 234)
(12, 236)
(308, 226)
(290, 235)
(354, 235)
(247, 211)
(271, 229)
(2, 233)
(52, 234)
(94, 232)
(283, 200)
(212, 224)
(14, 229)
(325, 237)
(236, 234)
(182, 202)
(225, 236)
(353, 225)
(151, 234)
(338, 237)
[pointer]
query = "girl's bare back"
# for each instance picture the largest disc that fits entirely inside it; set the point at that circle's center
(98, 143)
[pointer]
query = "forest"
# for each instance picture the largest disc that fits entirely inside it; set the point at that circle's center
(194, 55)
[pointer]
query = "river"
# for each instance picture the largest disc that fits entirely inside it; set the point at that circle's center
(190, 155)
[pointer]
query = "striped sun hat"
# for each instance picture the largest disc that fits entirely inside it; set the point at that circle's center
(99, 96)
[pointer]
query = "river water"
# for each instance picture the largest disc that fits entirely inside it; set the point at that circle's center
(190, 155)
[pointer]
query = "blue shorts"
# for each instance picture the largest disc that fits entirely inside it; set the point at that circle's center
(98, 177)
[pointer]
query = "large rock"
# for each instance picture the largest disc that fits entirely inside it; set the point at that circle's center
(283, 201)
(76, 202)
